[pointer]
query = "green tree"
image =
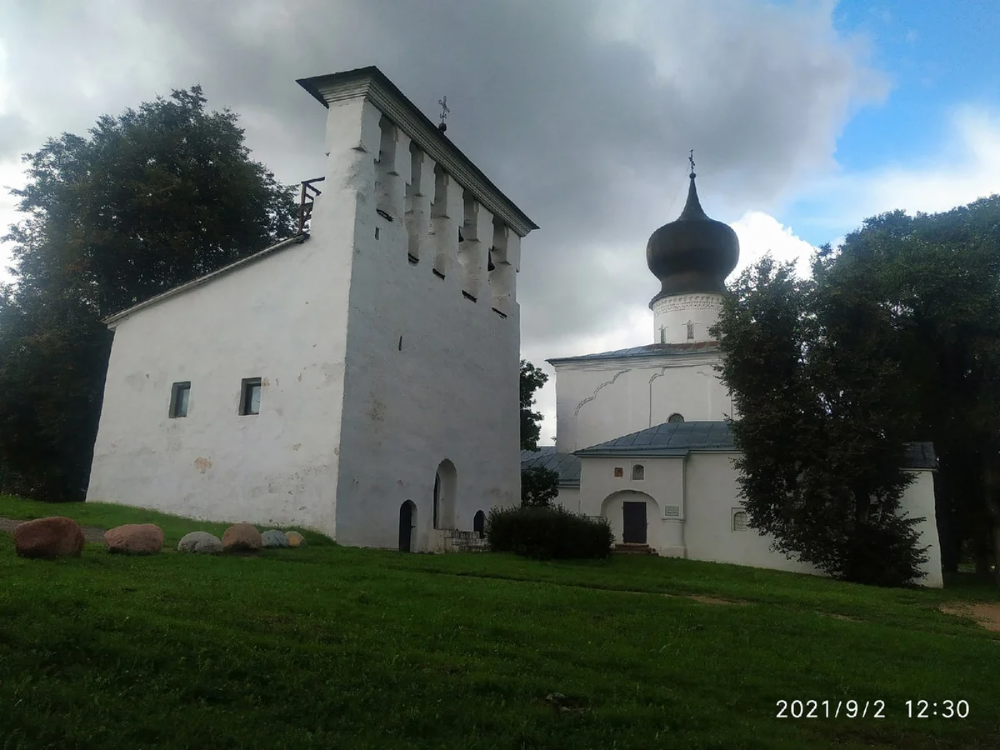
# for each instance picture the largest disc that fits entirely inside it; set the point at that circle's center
(153, 198)
(941, 274)
(532, 378)
(539, 487)
(822, 422)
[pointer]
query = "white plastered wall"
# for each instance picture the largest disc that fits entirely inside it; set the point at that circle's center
(597, 402)
(662, 488)
(275, 468)
(671, 316)
(431, 374)
(704, 488)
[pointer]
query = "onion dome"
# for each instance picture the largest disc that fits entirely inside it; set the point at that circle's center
(693, 254)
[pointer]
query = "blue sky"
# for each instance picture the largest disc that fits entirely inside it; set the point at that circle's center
(938, 56)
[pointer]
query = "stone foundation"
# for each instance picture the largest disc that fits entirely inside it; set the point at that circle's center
(464, 541)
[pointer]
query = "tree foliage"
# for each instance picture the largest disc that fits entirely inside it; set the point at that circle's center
(822, 425)
(895, 338)
(940, 273)
(532, 378)
(539, 487)
(153, 198)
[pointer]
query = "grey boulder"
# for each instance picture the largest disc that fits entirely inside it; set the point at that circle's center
(274, 538)
(200, 541)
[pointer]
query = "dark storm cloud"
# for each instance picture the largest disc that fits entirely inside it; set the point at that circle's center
(582, 112)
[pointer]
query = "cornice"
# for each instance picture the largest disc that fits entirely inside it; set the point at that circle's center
(638, 363)
(370, 83)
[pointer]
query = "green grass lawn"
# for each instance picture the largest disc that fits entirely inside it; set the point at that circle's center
(329, 647)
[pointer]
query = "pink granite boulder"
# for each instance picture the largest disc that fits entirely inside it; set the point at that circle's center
(134, 539)
(49, 538)
(241, 537)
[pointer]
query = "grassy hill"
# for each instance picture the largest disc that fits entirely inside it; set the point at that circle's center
(325, 647)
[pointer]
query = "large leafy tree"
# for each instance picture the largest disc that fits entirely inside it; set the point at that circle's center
(532, 378)
(821, 422)
(918, 300)
(941, 274)
(152, 198)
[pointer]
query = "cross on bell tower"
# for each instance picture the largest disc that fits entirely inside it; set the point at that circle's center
(443, 126)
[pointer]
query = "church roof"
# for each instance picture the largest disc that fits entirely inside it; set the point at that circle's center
(694, 253)
(649, 350)
(267, 251)
(673, 440)
(668, 439)
(566, 464)
(680, 438)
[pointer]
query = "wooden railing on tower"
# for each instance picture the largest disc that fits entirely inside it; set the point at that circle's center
(308, 197)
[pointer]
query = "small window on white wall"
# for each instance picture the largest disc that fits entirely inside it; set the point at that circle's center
(638, 473)
(675, 418)
(739, 520)
(250, 397)
(180, 394)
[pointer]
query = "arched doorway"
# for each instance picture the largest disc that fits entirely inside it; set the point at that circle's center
(634, 517)
(407, 523)
(445, 484)
(479, 524)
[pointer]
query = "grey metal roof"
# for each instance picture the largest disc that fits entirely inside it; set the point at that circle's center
(566, 464)
(668, 439)
(680, 438)
(649, 350)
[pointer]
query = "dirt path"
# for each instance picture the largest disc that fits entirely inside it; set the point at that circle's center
(987, 614)
(90, 533)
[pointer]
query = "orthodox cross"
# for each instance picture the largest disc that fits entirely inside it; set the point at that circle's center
(691, 159)
(444, 111)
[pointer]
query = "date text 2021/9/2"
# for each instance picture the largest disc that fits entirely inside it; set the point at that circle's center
(856, 709)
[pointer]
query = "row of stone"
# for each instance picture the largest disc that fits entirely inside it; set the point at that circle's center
(242, 537)
(59, 536)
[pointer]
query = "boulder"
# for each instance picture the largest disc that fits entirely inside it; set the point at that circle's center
(134, 539)
(49, 538)
(273, 538)
(200, 541)
(295, 539)
(241, 537)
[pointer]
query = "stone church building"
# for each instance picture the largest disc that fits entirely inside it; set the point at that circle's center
(641, 436)
(331, 381)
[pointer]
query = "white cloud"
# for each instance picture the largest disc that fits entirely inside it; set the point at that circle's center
(964, 168)
(761, 233)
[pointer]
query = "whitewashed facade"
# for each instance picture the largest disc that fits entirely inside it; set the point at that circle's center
(368, 347)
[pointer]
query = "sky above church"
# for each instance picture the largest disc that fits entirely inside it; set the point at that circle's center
(805, 117)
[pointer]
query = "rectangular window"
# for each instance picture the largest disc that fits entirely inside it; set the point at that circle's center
(250, 397)
(180, 395)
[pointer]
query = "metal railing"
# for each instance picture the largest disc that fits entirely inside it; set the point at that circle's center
(306, 200)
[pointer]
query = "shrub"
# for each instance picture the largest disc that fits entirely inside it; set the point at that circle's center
(539, 486)
(548, 533)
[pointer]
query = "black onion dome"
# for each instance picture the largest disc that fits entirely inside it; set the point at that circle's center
(693, 254)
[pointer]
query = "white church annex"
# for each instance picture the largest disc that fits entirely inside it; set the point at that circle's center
(331, 381)
(641, 436)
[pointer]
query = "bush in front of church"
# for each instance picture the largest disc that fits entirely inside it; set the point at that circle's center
(548, 533)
